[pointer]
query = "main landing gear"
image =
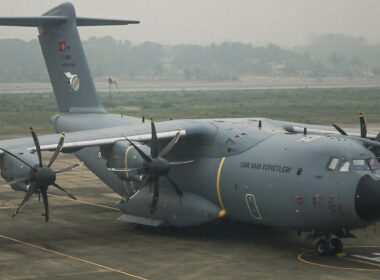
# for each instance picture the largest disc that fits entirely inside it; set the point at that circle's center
(329, 247)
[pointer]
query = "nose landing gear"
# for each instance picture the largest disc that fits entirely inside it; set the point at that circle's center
(329, 247)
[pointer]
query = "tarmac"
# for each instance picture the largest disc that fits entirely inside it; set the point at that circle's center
(244, 83)
(83, 240)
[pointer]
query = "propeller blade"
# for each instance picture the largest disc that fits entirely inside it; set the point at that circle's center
(57, 150)
(377, 137)
(27, 197)
(37, 144)
(363, 125)
(69, 168)
(156, 193)
(340, 130)
(154, 142)
(46, 203)
(171, 145)
(126, 170)
(141, 153)
(175, 186)
(63, 190)
(172, 163)
(13, 155)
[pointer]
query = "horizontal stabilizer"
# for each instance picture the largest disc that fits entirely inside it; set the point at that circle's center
(81, 21)
(32, 21)
(57, 20)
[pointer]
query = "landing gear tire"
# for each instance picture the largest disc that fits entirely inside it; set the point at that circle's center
(323, 248)
(329, 247)
(336, 246)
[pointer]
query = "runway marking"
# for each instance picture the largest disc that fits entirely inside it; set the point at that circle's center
(301, 259)
(84, 202)
(78, 179)
(73, 258)
(365, 262)
(68, 199)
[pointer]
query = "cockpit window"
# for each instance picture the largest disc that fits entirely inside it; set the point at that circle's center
(333, 164)
(365, 164)
(359, 164)
(373, 163)
(345, 166)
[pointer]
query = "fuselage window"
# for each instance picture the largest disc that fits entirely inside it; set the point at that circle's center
(333, 164)
(359, 164)
(345, 166)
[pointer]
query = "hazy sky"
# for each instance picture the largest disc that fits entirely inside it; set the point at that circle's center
(283, 22)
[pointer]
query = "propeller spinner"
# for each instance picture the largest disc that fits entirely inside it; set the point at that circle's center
(41, 176)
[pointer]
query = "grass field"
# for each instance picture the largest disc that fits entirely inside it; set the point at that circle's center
(316, 106)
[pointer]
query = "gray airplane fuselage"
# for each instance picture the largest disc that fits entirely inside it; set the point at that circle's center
(257, 175)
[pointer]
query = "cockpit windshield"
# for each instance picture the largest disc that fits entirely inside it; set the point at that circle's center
(360, 164)
(344, 165)
(365, 164)
(373, 163)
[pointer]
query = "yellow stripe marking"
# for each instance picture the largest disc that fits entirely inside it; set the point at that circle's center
(301, 255)
(126, 159)
(218, 183)
(69, 199)
(72, 257)
(84, 202)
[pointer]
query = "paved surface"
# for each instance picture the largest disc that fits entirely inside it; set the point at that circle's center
(83, 240)
(173, 85)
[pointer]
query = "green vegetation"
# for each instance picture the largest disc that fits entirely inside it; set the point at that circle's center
(317, 106)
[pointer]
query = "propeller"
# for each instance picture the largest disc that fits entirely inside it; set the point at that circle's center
(363, 127)
(155, 165)
(41, 176)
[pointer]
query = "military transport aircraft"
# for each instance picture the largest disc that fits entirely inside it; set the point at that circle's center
(181, 173)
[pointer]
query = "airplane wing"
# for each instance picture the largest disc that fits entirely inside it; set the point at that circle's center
(76, 145)
(323, 130)
(99, 137)
(292, 127)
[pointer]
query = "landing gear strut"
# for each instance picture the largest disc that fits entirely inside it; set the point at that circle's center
(329, 247)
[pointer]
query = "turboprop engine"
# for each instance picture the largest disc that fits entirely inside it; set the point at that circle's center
(143, 163)
(125, 161)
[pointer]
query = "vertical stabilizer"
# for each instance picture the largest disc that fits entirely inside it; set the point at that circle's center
(66, 62)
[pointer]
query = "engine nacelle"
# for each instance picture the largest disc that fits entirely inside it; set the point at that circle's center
(13, 169)
(122, 155)
(189, 210)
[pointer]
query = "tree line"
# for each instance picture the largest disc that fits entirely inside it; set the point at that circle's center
(324, 56)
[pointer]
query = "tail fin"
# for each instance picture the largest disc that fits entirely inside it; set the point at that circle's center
(66, 62)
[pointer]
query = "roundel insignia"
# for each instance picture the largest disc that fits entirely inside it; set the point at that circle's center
(73, 81)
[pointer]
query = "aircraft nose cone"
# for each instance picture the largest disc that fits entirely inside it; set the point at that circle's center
(367, 199)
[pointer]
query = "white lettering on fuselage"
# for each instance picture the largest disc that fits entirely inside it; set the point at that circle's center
(266, 167)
